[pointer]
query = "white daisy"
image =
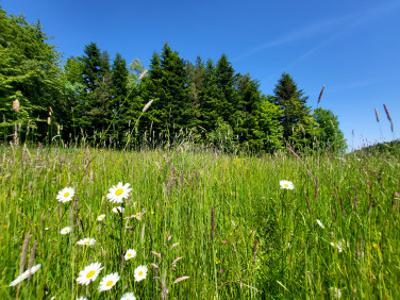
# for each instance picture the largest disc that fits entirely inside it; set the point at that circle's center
(28, 273)
(320, 224)
(140, 273)
(130, 253)
(86, 242)
(119, 192)
(66, 194)
(286, 185)
(101, 218)
(108, 281)
(128, 296)
(65, 230)
(82, 298)
(89, 273)
(118, 210)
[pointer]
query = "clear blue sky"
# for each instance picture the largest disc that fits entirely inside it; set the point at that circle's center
(351, 46)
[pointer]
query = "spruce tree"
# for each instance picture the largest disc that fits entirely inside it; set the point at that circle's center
(296, 115)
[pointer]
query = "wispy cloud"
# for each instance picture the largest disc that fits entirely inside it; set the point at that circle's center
(306, 32)
(358, 20)
(336, 26)
(350, 22)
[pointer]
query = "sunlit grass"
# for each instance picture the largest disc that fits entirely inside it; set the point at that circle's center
(220, 227)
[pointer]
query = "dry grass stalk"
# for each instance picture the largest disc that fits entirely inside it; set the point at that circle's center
(180, 279)
(16, 105)
(321, 93)
(147, 106)
(24, 252)
(388, 117)
(377, 115)
(255, 243)
(212, 223)
(32, 254)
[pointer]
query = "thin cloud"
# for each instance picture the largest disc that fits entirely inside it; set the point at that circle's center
(358, 20)
(346, 22)
(300, 34)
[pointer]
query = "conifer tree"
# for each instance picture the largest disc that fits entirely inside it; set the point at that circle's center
(295, 120)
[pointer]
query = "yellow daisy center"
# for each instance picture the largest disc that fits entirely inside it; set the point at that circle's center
(286, 185)
(140, 273)
(90, 274)
(109, 283)
(66, 194)
(129, 254)
(119, 192)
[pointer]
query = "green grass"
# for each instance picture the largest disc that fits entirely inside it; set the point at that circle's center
(266, 245)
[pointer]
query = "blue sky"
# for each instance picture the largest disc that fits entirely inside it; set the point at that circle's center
(351, 46)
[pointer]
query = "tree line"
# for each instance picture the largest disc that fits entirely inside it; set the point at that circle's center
(100, 101)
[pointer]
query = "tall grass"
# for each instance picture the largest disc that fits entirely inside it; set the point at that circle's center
(221, 220)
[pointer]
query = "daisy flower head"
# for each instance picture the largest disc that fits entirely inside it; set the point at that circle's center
(65, 230)
(89, 273)
(28, 273)
(119, 192)
(108, 281)
(101, 218)
(118, 210)
(130, 253)
(128, 296)
(286, 185)
(140, 273)
(82, 298)
(65, 195)
(86, 242)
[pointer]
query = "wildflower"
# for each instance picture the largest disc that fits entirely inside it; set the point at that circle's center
(101, 218)
(65, 230)
(286, 185)
(128, 296)
(119, 192)
(118, 210)
(320, 224)
(130, 253)
(140, 273)
(82, 298)
(86, 242)
(65, 195)
(89, 273)
(108, 281)
(28, 273)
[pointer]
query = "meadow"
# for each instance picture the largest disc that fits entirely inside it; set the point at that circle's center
(206, 225)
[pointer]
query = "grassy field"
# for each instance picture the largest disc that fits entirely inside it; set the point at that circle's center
(222, 221)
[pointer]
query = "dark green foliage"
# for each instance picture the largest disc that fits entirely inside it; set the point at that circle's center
(298, 127)
(330, 138)
(92, 102)
(29, 73)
